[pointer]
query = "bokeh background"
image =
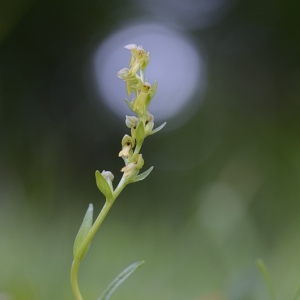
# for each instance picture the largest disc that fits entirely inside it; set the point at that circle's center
(225, 189)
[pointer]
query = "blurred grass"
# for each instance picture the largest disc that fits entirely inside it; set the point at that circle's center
(180, 264)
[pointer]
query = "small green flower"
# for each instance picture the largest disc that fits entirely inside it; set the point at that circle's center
(143, 99)
(127, 145)
(123, 74)
(132, 80)
(132, 123)
(149, 123)
(136, 163)
(139, 58)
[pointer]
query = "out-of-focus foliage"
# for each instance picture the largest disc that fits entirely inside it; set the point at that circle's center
(225, 188)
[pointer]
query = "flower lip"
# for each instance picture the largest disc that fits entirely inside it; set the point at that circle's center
(126, 150)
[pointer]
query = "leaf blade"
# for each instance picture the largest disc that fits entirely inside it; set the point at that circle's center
(265, 274)
(83, 231)
(158, 128)
(143, 175)
(119, 280)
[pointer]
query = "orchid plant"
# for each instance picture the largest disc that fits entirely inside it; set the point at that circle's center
(140, 125)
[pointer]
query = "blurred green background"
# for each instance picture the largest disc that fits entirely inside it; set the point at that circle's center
(225, 188)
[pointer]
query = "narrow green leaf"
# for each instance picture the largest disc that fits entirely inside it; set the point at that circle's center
(265, 274)
(103, 185)
(158, 128)
(143, 175)
(119, 279)
(297, 294)
(83, 231)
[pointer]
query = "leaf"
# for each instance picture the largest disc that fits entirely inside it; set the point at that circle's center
(143, 175)
(265, 274)
(119, 279)
(158, 128)
(103, 185)
(83, 232)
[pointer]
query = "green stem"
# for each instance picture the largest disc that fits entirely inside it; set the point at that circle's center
(138, 146)
(119, 188)
(74, 280)
(76, 262)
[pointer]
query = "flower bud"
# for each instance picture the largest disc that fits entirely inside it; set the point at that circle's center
(123, 74)
(108, 175)
(131, 121)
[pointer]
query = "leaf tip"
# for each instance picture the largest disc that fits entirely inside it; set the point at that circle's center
(90, 208)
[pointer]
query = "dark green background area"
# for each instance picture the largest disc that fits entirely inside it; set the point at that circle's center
(225, 189)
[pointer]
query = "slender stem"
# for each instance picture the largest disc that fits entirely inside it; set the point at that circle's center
(74, 280)
(104, 211)
(119, 188)
(76, 262)
(138, 147)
